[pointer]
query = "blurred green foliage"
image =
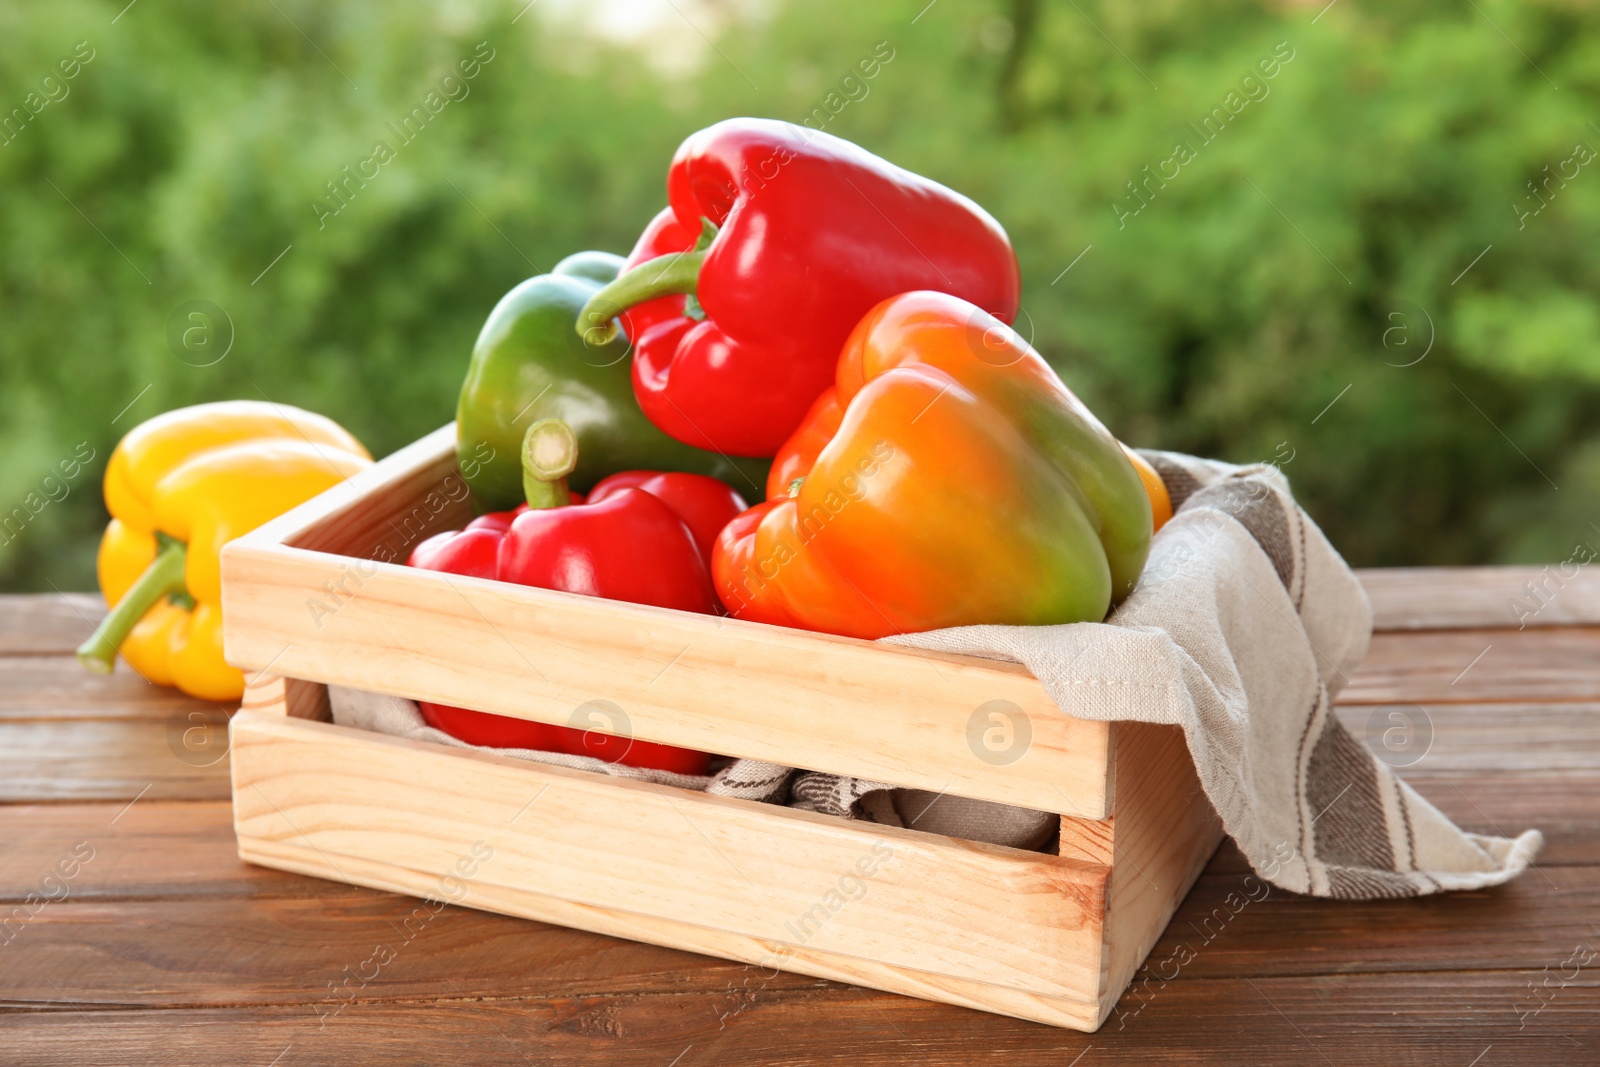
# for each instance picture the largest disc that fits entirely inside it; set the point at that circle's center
(1307, 254)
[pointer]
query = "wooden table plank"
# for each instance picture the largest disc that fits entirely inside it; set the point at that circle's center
(1479, 666)
(1472, 598)
(1392, 1020)
(200, 951)
(153, 849)
(1479, 737)
(1234, 925)
(1504, 803)
(110, 760)
(1560, 806)
(55, 688)
(47, 623)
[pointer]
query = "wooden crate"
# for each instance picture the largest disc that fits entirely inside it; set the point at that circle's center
(310, 601)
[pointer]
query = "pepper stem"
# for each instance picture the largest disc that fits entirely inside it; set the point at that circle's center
(663, 276)
(549, 454)
(164, 577)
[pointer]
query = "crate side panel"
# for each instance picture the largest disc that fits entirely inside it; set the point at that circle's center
(1163, 831)
(760, 872)
(908, 717)
(1072, 1013)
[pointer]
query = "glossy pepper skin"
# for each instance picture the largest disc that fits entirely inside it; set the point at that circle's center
(528, 364)
(1155, 489)
(704, 504)
(785, 237)
(178, 487)
(951, 480)
(640, 537)
(822, 422)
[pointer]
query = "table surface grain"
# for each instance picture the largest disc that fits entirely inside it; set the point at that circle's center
(163, 947)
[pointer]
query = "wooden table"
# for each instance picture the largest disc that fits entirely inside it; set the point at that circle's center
(162, 947)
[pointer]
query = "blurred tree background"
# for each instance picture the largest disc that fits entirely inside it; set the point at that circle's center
(1375, 266)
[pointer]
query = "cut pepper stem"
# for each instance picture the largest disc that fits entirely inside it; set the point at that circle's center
(663, 276)
(549, 454)
(163, 578)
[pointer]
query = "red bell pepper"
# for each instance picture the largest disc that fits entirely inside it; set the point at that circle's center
(642, 537)
(473, 551)
(778, 240)
(704, 504)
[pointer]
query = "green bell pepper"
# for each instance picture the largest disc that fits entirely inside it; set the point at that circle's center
(529, 364)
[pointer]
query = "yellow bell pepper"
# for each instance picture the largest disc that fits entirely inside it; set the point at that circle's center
(179, 487)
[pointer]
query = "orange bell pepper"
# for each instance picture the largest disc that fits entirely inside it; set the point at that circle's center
(1154, 487)
(947, 478)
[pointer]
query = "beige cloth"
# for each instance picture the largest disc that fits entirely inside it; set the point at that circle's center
(748, 779)
(1245, 622)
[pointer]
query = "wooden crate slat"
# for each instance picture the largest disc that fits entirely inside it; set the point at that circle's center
(1163, 831)
(691, 937)
(313, 792)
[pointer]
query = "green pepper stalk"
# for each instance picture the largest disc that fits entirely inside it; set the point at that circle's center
(667, 276)
(529, 364)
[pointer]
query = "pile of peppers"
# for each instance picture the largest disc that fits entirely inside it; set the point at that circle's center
(806, 322)
(804, 325)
